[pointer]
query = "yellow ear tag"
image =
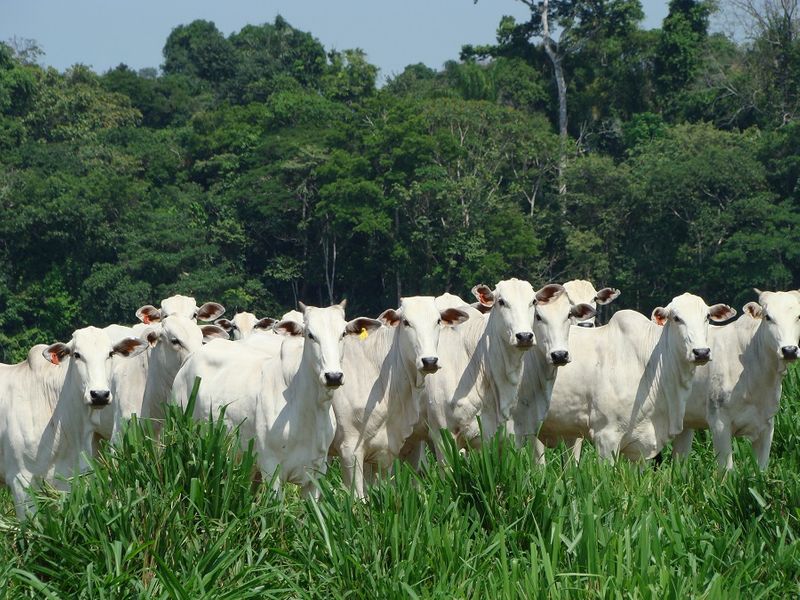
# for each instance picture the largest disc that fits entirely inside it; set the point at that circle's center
(364, 333)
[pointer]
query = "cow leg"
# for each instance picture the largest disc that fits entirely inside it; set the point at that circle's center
(415, 452)
(607, 445)
(682, 444)
(538, 451)
(310, 490)
(762, 445)
(576, 445)
(723, 444)
(353, 472)
(22, 500)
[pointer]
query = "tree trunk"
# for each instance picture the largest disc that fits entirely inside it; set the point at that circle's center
(552, 50)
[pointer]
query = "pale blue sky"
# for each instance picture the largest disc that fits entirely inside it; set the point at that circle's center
(104, 33)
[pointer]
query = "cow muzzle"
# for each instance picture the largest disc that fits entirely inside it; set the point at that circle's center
(334, 379)
(701, 355)
(587, 324)
(790, 352)
(99, 398)
(430, 364)
(524, 339)
(559, 357)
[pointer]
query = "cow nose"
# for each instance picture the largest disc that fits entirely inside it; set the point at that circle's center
(702, 353)
(334, 378)
(585, 324)
(560, 357)
(100, 397)
(525, 339)
(789, 352)
(430, 363)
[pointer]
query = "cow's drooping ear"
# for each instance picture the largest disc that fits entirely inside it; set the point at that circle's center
(484, 294)
(582, 311)
(362, 324)
(226, 324)
(148, 314)
(753, 309)
(549, 292)
(56, 352)
(721, 312)
(390, 317)
(660, 315)
(606, 295)
(151, 336)
(289, 327)
(481, 308)
(130, 347)
(265, 323)
(213, 332)
(453, 316)
(210, 311)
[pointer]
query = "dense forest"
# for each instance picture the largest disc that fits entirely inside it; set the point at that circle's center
(261, 168)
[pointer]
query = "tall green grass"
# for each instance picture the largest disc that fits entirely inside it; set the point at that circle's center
(181, 518)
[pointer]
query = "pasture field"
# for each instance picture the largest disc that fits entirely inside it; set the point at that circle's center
(180, 518)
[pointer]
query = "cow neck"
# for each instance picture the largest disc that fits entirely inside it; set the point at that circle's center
(667, 379)
(69, 430)
(161, 374)
(504, 365)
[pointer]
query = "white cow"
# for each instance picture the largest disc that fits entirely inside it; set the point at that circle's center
(180, 305)
(580, 291)
(230, 372)
(485, 356)
(739, 393)
(244, 324)
(45, 409)
(627, 385)
(172, 341)
(377, 410)
(294, 417)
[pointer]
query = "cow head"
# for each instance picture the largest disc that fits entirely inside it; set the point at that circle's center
(688, 317)
(581, 291)
(512, 303)
(90, 351)
(243, 324)
(180, 305)
(177, 337)
(780, 316)
(324, 330)
(420, 322)
(554, 314)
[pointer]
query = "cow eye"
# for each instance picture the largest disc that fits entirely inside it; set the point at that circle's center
(311, 336)
(677, 319)
(768, 318)
(111, 354)
(502, 302)
(77, 355)
(439, 322)
(175, 341)
(406, 323)
(538, 317)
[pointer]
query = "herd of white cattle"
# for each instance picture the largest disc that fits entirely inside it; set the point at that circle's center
(313, 385)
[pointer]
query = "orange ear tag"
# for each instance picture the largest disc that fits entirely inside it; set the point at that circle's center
(54, 358)
(364, 333)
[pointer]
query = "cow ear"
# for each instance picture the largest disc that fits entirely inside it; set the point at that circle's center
(390, 317)
(549, 292)
(362, 325)
(660, 316)
(481, 308)
(56, 352)
(721, 312)
(606, 295)
(130, 347)
(484, 294)
(453, 316)
(343, 304)
(753, 309)
(148, 314)
(582, 311)
(301, 307)
(226, 324)
(213, 332)
(265, 323)
(289, 327)
(151, 336)
(210, 311)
